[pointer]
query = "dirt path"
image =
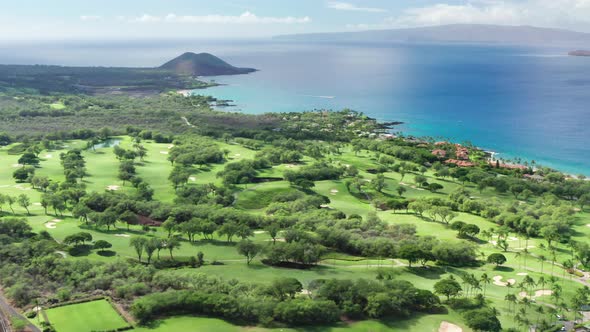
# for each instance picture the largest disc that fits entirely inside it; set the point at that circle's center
(186, 121)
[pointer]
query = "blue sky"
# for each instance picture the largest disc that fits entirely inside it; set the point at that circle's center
(72, 19)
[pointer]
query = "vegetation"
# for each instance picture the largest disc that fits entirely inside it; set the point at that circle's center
(310, 219)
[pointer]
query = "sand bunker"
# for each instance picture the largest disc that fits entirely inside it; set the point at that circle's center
(122, 235)
(47, 156)
(37, 204)
(498, 281)
(50, 225)
(192, 178)
(113, 187)
(522, 274)
(588, 225)
(62, 254)
(17, 165)
(539, 293)
(448, 327)
(333, 192)
(164, 152)
(512, 238)
(259, 232)
(170, 146)
(403, 184)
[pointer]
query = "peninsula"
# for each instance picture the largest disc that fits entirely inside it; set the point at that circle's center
(181, 73)
(580, 53)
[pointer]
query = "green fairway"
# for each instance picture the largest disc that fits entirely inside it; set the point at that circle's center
(89, 316)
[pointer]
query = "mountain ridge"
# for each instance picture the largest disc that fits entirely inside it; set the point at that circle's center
(455, 33)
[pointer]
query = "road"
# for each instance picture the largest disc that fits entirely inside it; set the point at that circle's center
(7, 310)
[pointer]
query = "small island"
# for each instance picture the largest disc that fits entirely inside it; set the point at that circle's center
(579, 53)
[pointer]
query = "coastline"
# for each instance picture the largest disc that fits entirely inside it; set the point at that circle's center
(509, 161)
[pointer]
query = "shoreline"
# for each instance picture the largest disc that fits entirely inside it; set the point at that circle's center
(492, 158)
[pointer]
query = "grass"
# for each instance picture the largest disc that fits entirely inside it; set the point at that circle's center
(423, 323)
(102, 168)
(89, 316)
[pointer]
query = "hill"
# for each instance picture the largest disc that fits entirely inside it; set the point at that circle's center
(202, 64)
(455, 33)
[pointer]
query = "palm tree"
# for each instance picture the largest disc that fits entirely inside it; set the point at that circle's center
(539, 311)
(542, 259)
(511, 298)
(485, 280)
(541, 282)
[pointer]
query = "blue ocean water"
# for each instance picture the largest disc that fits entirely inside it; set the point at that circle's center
(533, 103)
(519, 102)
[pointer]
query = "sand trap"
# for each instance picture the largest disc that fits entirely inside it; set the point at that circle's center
(17, 165)
(259, 232)
(164, 152)
(325, 206)
(50, 225)
(62, 254)
(192, 178)
(498, 281)
(237, 155)
(37, 204)
(577, 210)
(542, 292)
(448, 327)
(56, 220)
(170, 146)
(113, 187)
(305, 292)
(522, 274)
(47, 156)
(512, 238)
(494, 242)
(588, 225)
(333, 192)
(122, 235)
(403, 184)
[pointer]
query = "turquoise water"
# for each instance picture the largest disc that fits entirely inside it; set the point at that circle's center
(530, 103)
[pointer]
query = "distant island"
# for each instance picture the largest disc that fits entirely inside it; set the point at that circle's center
(181, 73)
(580, 53)
(453, 33)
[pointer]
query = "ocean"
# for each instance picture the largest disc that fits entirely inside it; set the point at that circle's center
(532, 103)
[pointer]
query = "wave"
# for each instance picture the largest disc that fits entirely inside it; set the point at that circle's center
(323, 97)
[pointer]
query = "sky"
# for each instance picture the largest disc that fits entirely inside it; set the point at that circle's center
(235, 19)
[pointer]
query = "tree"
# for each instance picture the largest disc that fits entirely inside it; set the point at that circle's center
(483, 319)
(411, 252)
(448, 287)
(496, 258)
(401, 190)
(150, 247)
(283, 288)
(172, 244)
(273, 231)
(249, 249)
(10, 200)
(28, 158)
(378, 183)
(138, 243)
(24, 201)
(102, 245)
(434, 187)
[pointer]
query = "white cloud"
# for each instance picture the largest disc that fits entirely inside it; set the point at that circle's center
(351, 7)
(90, 18)
(245, 18)
(574, 14)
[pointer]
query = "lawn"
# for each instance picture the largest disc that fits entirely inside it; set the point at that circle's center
(90, 316)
